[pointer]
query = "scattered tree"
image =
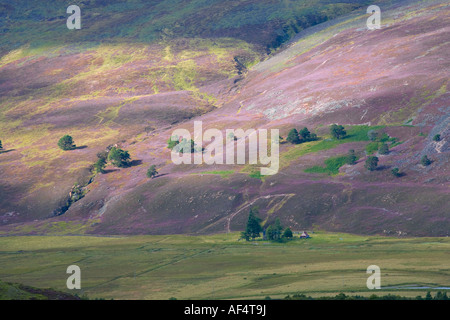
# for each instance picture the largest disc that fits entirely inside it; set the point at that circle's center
(384, 149)
(425, 161)
(437, 138)
(293, 137)
(253, 228)
(152, 172)
(66, 143)
(1, 146)
(172, 143)
(396, 172)
(99, 165)
(287, 233)
(338, 131)
(371, 163)
(351, 157)
(119, 158)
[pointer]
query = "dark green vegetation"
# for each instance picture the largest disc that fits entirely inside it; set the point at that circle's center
(396, 172)
(371, 163)
(425, 161)
(293, 137)
(220, 267)
(296, 137)
(119, 158)
(152, 172)
(253, 228)
(66, 143)
(1, 146)
(99, 165)
(338, 131)
(16, 291)
(384, 149)
(437, 138)
(351, 157)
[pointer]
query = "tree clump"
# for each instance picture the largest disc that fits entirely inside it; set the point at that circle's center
(273, 232)
(304, 135)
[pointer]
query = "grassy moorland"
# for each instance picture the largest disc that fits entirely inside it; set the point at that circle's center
(220, 267)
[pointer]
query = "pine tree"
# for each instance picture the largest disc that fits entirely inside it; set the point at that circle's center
(66, 143)
(287, 233)
(253, 228)
(293, 137)
(305, 134)
(338, 131)
(100, 165)
(119, 158)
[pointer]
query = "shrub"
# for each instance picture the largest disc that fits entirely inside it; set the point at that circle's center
(152, 172)
(338, 131)
(384, 149)
(351, 157)
(425, 161)
(396, 172)
(435, 138)
(371, 163)
(99, 165)
(66, 143)
(119, 158)
(171, 144)
(1, 146)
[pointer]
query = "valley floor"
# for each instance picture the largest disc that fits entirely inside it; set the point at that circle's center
(221, 267)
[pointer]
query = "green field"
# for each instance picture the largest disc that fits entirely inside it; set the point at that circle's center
(220, 267)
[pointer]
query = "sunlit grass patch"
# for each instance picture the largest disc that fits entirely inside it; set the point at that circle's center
(332, 166)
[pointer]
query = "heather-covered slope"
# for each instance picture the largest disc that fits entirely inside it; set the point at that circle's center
(392, 80)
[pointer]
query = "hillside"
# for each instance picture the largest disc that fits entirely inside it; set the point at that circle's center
(139, 71)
